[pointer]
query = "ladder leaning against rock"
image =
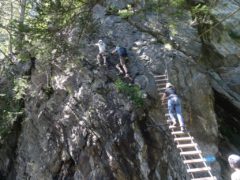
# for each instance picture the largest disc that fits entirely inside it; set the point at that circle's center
(196, 165)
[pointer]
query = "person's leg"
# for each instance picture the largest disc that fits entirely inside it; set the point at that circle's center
(104, 59)
(179, 112)
(171, 111)
(123, 64)
(119, 69)
(99, 57)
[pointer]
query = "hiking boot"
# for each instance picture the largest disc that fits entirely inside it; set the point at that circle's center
(174, 123)
(120, 73)
(127, 75)
(183, 129)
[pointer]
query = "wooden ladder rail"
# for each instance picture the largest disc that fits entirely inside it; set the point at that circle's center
(161, 88)
(181, 150)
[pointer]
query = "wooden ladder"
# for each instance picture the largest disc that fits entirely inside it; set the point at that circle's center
(191, 155)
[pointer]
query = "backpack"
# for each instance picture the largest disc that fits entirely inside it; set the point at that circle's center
(169, 91)
(122, 51)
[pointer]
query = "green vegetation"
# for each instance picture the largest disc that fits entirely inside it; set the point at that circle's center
(26, 25)
(177, 3)
(200, 10)
(35, 29)
(126, 13)
(234, 35)
(133, 91)
(111, 10)
(11, 104)
(20, 87)
(161, 6)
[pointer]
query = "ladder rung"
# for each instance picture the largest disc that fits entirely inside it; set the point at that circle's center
(205, 178)
(156, 76)
(186, 145)
(193, 161)
(190, 153)
(183, 139)
(160, 89)
(172, 127)
(161, 80)
(161, 85)
(198, 169)
(177, 132)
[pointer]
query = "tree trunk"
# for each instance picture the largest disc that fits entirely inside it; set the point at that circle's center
(21, 23)
(10, 33)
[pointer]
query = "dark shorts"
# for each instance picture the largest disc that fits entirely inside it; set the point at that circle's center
(104, 54)
(124, 55)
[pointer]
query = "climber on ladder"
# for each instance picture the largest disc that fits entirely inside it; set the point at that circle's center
(174, 106)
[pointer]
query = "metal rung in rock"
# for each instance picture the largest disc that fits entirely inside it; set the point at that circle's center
(172, 127)
(190, 161)
(186, 145)
(190, 153)
(205, 178)
(161, 80)
(160, 89)
(177, 132)
(198, 169)
(183, 139)
(159, 83)
(156, 76)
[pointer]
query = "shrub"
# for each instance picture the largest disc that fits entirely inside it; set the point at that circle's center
(177, 3)
(126, 13)
(200, 9)
(133, 91)
(20, 86)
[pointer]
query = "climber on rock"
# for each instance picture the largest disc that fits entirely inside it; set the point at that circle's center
(123, 57)
(234, 162)
(102, 55)
(174, 106)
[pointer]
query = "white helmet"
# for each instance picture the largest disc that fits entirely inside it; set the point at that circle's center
(169, 85)
(234, 161)
(100, 41)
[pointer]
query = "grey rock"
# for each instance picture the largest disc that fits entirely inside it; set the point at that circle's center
(98, 12)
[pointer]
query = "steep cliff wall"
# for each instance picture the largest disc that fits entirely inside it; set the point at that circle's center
(80, 125)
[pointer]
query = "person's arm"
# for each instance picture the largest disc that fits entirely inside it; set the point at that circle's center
(113, 51)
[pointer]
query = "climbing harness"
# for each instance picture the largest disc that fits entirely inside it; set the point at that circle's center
(192, 158)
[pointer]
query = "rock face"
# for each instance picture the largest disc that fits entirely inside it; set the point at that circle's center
(80, 125)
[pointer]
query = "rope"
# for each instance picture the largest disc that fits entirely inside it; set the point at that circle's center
(224, 19)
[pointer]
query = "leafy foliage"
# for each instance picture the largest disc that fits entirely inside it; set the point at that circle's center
(177, 3)
(111, 10)
(165, 5)
(126, 13)
(11, 103)
(20, 86)
(200, 9)
(133, 91)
